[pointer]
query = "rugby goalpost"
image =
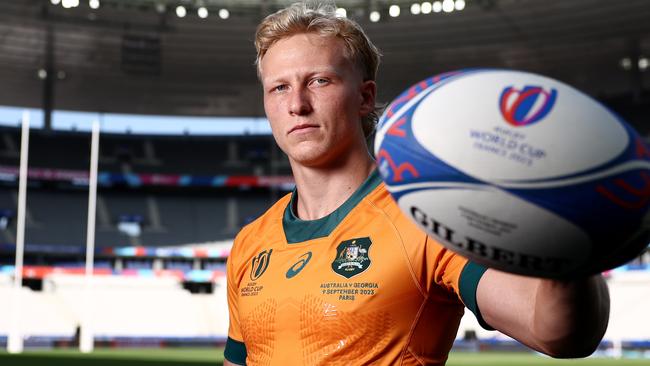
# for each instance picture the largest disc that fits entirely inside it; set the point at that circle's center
(86, 336)
(15, 339)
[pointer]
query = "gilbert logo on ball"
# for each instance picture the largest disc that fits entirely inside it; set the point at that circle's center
(516, 171)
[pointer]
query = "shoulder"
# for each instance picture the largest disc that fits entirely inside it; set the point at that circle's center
(271, 220)
(253, 236)
(381, 199)
(425, 254)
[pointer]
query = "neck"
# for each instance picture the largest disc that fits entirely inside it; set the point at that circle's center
(323, 190)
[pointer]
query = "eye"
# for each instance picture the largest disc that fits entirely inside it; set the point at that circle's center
(320, 81)
(279, 88)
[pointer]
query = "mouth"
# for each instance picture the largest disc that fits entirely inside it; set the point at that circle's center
(303, 127)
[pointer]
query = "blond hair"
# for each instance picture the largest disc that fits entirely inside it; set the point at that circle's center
(321, 18)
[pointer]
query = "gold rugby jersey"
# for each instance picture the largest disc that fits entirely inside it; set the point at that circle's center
(361, 286)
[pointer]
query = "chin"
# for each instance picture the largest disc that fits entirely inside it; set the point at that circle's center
(306, 151)
(309, 158)
(324, 160)
(308, 161)
(319, 154)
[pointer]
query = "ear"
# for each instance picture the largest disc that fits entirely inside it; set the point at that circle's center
(368, 93)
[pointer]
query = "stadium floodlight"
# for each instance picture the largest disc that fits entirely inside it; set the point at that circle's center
(42, 74)
(94, 4)
(644, 63)
(202, 12)
(181, 11)
(70, 3)
(394, 11)
(375, 16)
(341, 13)
(459, 5)
(626, 63)
(161, 7)
(224, 13)
(426, 7)
(436, 6)
(448, 6)
(55, 2)
(415, 8)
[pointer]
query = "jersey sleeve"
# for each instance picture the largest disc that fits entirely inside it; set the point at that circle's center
(446, 269)
(235, 350)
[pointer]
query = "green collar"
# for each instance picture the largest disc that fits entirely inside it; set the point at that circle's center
(298, 231)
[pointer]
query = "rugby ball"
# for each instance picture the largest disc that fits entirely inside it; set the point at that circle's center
(517, 171)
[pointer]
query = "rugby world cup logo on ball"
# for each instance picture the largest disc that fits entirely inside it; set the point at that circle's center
(517, 171)
(527, 106)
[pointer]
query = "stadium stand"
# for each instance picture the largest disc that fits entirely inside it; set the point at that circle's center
(170, 218)
(125, 306)
(37, 309)
(121, 307)
(630, 294)
(146, 288)
(198, 155)
(139, 295)
(201, 211)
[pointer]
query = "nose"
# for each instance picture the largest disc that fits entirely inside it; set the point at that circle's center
(300, 103)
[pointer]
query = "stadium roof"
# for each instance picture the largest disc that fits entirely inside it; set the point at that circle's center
(138, 56)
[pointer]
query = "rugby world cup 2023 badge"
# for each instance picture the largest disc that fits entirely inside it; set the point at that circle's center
(260, 263)
(352, 257)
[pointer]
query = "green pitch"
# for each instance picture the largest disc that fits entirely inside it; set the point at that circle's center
(530, 359)
(214, 357)
(118, 357)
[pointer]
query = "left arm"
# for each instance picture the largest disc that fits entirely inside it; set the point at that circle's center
(562, 319)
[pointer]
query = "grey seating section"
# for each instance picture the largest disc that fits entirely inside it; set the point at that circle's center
(59, 217)
(197, 155)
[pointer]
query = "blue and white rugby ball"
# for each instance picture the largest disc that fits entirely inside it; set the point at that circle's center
(517, 171)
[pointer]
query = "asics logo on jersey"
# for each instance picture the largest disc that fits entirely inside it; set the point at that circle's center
(299, 265)
(260, 263)
(527, 106)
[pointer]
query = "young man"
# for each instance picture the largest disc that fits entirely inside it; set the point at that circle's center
(334, 273)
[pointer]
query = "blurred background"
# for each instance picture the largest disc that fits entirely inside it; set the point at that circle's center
(186, 157)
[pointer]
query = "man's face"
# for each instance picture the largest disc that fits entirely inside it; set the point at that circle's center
(314, 98)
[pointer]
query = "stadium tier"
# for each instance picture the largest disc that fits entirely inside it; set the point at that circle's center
(163, 218)
(223, 171)
(156, 310)
(194, 155)
(123, 308)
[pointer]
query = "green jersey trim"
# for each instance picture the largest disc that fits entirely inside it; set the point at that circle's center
(298, 231)
(235, 352)
(469, 278)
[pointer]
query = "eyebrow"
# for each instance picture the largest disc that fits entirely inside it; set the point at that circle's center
(325, 70)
